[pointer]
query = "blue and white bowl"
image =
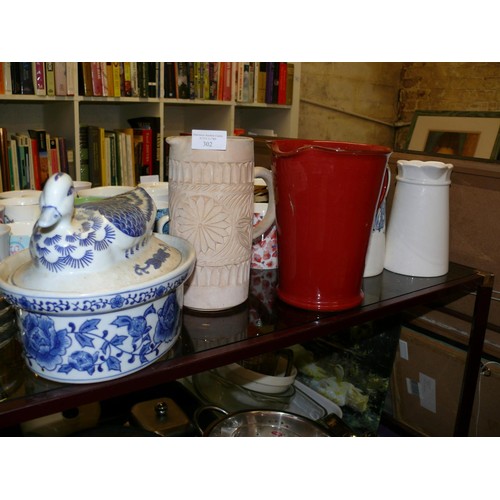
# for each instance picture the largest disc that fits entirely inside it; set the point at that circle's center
(85, 333)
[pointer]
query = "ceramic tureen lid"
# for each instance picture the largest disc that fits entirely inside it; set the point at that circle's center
(94, 247)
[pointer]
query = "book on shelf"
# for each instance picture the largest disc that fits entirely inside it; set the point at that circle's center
(213, 77)
(239, 81)
(63, 155)
(152, 123)
(24, 160)
(205, 81)
(41, 156)
(50, 78)
(251, 82)
(260, 79)
(2, 78)
(71, 74)
(127, 80)
(127, 166)
(39, 72)
(96, 75)
(142, 79)
(7, 78)
(169, 80)
(84, 153)
(117, 85)
(21, 74)
(276, 81)
(58, 154)
(15, 78)
(153, 78)
(134, 80)
(270, 70)
(143, 152)
(290, 75)
(13, 164)
(55, 161)
(220, 81)
(26, 78)
(110, 141)
(182, 81)
(104, 77)
(96, 153)
(227, 81)
(191, 80)
(282, 83)
(4, 160)
(34, 163)
(197, 80)
(84, 79)
(121, 157)
(107, 158)
(110, 79)
(61, 81)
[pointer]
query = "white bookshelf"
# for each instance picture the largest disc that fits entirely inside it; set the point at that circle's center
(63, 115)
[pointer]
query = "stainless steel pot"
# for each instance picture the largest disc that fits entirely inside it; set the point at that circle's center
(270, 423)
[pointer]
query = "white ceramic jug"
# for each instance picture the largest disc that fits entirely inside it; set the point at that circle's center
(417, 240)
(211, 205)
(375, 255)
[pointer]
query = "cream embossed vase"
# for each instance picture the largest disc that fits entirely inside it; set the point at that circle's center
(211, 200)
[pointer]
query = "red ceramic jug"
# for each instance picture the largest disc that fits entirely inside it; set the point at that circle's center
(326, 195)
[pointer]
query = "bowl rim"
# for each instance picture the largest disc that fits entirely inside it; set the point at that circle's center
(71, 303)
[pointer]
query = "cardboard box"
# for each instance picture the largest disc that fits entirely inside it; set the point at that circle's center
(426, 384)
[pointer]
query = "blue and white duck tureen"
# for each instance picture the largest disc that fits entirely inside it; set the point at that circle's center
(98, 294)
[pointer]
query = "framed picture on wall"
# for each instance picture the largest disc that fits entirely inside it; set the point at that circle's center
(457, 134)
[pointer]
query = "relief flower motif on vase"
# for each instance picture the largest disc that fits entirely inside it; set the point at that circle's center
(205, 223)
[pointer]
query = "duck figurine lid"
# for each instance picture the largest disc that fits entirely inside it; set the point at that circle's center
(95, 245)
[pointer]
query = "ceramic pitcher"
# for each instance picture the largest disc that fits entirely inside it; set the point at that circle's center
(417, 242)
(211, 205)
(327, 193)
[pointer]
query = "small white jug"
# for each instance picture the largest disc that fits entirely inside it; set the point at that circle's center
(417, 242)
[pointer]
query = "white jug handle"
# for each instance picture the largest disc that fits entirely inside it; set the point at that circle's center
(384, 189)
(270, 215)
(161, 222)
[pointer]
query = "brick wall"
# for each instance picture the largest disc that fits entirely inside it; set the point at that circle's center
(446, 86)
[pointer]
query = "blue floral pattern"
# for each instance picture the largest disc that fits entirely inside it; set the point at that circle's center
(95, 228)
(379, 223)
(100, 347)
(104, 303)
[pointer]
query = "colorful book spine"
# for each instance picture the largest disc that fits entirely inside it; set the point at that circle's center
(39, 71)
(282, 83)
(61, 82)
(50, 78)
(116, 79)
(96, 72)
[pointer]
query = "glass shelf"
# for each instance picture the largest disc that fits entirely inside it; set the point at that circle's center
(263, 323)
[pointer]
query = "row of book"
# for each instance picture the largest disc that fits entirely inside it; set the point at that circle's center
(254, 82)
(37, 78)
(95, 79)
(119, 79)
(120, 156)
(28, 158)
(198, 80)
(264, 82)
